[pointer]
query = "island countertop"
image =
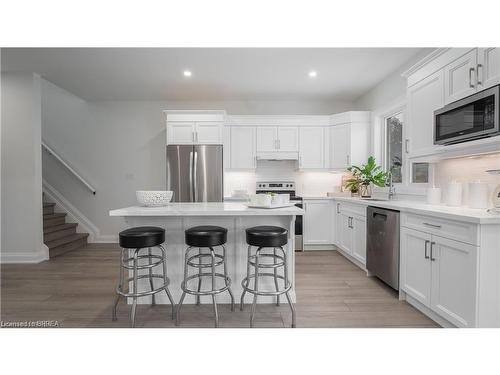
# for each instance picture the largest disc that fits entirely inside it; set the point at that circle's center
(205, 209)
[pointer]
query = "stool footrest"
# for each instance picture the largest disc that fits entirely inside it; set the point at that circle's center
(264, 293)
(206, 292)
(218, 262)
(146, 293)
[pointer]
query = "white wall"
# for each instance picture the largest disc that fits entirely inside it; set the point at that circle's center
(119, 146)
(21, 180)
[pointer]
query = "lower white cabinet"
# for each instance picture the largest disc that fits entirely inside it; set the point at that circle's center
(350, 231)
(441, 274)
(317, 222)
(358, 226)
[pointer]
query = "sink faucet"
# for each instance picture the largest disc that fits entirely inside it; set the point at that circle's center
(392, 189)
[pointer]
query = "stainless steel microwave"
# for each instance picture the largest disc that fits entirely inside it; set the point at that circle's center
(467, 119)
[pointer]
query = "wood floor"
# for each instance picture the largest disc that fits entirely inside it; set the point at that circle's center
(77, 290)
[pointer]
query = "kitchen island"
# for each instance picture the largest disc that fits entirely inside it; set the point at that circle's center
(175, 218)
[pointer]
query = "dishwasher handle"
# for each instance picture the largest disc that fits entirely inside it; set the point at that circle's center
(380, 215)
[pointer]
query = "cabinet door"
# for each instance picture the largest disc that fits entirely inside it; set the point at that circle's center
(208, 133)
(340, 146)
(460, 77)
(359, 238)
(288, 138)
(267, 139)
(180, 133)
(415, 265)
(317, 222)
(345, 233)
(488, 68)
(454, 272)
(423, 99)
(311, 147)
(337, 224)
(242, 147)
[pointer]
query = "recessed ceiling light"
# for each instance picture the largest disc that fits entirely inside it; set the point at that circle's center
(187, 73)
(313, 74)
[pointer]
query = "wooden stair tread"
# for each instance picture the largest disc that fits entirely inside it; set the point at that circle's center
(66, 240)
(48, 204)
(54, 215)
(59, 227)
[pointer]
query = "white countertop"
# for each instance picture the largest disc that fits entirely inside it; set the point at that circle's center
(205, 209)
(472, 215)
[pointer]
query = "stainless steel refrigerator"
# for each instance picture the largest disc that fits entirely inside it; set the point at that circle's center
(195, 173)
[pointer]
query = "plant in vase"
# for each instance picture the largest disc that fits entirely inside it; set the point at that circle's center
(367, 175)
(352, 184)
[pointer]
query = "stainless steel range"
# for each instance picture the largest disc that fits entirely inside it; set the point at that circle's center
(285, 187)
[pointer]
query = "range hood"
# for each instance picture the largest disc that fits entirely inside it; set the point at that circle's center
(277, 156)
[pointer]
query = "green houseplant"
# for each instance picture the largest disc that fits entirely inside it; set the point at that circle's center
(367, 175)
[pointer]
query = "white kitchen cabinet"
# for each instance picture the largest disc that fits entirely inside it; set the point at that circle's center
(195, 127)
(277, 139)
(454, 272)
(317, 222)
(267, 138)
(441, 274)
(345, 234)
(423, 99)
(460, 77)
(415, 265)
(488, 68)
(349, 139)
(358, 226)
(208, 132)
(242, 146)
(311, 147)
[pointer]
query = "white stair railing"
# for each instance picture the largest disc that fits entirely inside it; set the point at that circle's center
(50, 151)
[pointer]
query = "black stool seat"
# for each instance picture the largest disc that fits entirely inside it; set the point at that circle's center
(267, 236)
(140, 237)
(206, 236)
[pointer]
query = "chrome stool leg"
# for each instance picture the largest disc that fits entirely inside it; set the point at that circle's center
(199, 279)
(120, 287)
(255, 286)
(276, 278)
(213, 288)
(247, 278)
(134, 288)
(183, 287)
(292, 307)
(165, 280)
(226, 277)
(150, 260)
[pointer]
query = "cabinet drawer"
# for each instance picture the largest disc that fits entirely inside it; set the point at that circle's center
(455, 230)
(349, 208)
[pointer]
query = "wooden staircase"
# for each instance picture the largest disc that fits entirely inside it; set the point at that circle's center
(59, 236)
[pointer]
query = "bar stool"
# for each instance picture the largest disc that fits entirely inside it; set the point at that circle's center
(136, 240)
(205, 237)
(265, 237)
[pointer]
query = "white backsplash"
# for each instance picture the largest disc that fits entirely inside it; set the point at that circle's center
(467, 169)
(307, 183)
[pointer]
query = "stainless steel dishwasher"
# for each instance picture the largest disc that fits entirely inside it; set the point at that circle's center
(382, 244)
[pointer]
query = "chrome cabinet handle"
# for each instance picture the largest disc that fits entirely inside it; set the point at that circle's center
(432, 250)
(479, 81)
(196, 136)
(347, 159)
(406, 145)
(192, 136)
(425, 251)
(338, 208)
(471, 84)
(279, 144)
(433, 225)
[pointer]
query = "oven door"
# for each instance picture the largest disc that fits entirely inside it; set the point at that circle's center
(470, 118)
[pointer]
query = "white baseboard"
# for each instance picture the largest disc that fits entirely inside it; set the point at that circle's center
(428, 312)
(75, 215)
(25, 256)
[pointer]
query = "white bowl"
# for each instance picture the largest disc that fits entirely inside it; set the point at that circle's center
(153, 198)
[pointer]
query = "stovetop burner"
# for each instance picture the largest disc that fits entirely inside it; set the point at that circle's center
(277, 187)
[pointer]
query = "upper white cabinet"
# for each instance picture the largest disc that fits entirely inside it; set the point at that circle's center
(488, 68)
(242, 146)
(195, 127)
(423, 99)
(312, 148)
(277, 139)
(349, 139)
(317, 222)
(460, 77)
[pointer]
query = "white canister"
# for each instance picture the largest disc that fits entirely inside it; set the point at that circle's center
(478, 194)
(453, 196)
(434, 195)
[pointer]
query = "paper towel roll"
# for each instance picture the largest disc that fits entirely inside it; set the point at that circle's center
(478, 194)
(454, 194)
(434, 195)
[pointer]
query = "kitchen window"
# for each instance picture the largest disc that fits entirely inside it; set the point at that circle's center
(394, 146)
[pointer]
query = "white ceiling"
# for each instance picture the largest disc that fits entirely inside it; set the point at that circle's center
(218, 73)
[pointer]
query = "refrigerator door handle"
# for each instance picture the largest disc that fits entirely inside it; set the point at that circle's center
(195, 180)
(191, 176)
